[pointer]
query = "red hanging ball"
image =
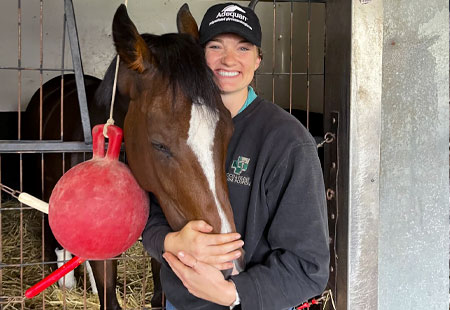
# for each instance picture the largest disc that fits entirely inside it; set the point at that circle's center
(97, 210)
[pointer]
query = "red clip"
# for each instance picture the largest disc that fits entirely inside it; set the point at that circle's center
(303, 306)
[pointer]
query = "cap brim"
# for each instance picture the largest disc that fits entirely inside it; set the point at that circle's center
(230, 28)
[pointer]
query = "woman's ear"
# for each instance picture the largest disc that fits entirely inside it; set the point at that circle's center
(186, 22)
(258, 62)
(129, 44)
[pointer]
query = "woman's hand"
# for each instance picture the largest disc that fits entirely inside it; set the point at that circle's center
(217, 250)
(202, 280)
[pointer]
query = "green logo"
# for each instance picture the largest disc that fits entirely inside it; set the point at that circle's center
(240, 165)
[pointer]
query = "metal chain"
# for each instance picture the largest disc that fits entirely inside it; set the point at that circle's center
(328, 138)
(10, 191)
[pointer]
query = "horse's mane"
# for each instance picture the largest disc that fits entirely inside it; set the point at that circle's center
(181, 61)
(103, 93)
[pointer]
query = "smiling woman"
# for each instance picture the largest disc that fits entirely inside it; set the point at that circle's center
(234, 61)
(275, 188)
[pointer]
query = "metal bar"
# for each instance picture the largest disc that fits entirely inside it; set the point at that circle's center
(35, 69)
(43, 146)
(46, 146)
(64, 280)
(84, 284)
(308, 54)
(1, 230)
(41, 103)
(19, 64)
(18, 209)
(42, 254)
(312, 1)
(78, 67)
(21, 230)
(274, 48)
(332, 173)
(337, 98)
(104, 281)
(124, 258)
(41, 60)
(19, 100)
(287, 73)
(62, 78)
(145, 270)
(125, 285)
(291, 33)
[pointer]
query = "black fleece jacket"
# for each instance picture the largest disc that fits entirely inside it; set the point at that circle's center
(277, 194)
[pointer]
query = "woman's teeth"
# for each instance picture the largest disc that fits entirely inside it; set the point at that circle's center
(228, 73)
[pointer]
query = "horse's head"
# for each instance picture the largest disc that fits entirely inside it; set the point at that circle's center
(177, 129)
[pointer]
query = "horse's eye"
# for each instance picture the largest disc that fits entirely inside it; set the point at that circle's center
(161, 148)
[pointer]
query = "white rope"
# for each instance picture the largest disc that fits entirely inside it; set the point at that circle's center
(110, 120)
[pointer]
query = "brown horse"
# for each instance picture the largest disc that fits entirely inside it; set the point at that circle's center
(176, 129)
(175, 123)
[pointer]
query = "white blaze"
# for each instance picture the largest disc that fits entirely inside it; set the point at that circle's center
(202, 128)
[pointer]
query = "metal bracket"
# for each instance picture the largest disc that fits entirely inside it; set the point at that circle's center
(332, 193)
(78, 68)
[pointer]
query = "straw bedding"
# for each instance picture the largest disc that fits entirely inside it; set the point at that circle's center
(134, 285)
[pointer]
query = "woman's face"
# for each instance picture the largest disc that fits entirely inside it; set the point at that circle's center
(233, 61)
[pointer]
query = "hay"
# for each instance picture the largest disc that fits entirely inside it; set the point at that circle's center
(134, 285)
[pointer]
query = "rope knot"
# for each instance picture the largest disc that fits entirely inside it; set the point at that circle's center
(110, 121)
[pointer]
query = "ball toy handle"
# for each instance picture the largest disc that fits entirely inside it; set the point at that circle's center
(53, 277)
(115, 135)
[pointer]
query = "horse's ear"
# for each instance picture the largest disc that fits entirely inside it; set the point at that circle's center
(129, 44)
(186, 22)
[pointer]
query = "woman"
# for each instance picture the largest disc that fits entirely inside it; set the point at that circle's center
(280, 211)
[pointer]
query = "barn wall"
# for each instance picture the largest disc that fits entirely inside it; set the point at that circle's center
(414, 181)
(399, 172)
(365, 128)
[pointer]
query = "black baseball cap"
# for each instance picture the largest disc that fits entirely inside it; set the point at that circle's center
(230, 18)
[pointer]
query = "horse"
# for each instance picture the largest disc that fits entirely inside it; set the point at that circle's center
(175, 121)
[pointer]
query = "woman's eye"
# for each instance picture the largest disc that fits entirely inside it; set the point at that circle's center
(214, 46)
(161, 148)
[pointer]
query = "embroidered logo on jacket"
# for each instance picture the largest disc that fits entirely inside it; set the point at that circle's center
(239, 166)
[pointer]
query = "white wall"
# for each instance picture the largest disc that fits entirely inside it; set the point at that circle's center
(94, 19)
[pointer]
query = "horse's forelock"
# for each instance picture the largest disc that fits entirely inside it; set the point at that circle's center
(181, 60)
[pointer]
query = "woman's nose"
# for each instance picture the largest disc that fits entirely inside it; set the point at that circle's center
(229, 57)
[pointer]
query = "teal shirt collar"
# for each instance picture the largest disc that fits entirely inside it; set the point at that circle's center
(250, 97)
